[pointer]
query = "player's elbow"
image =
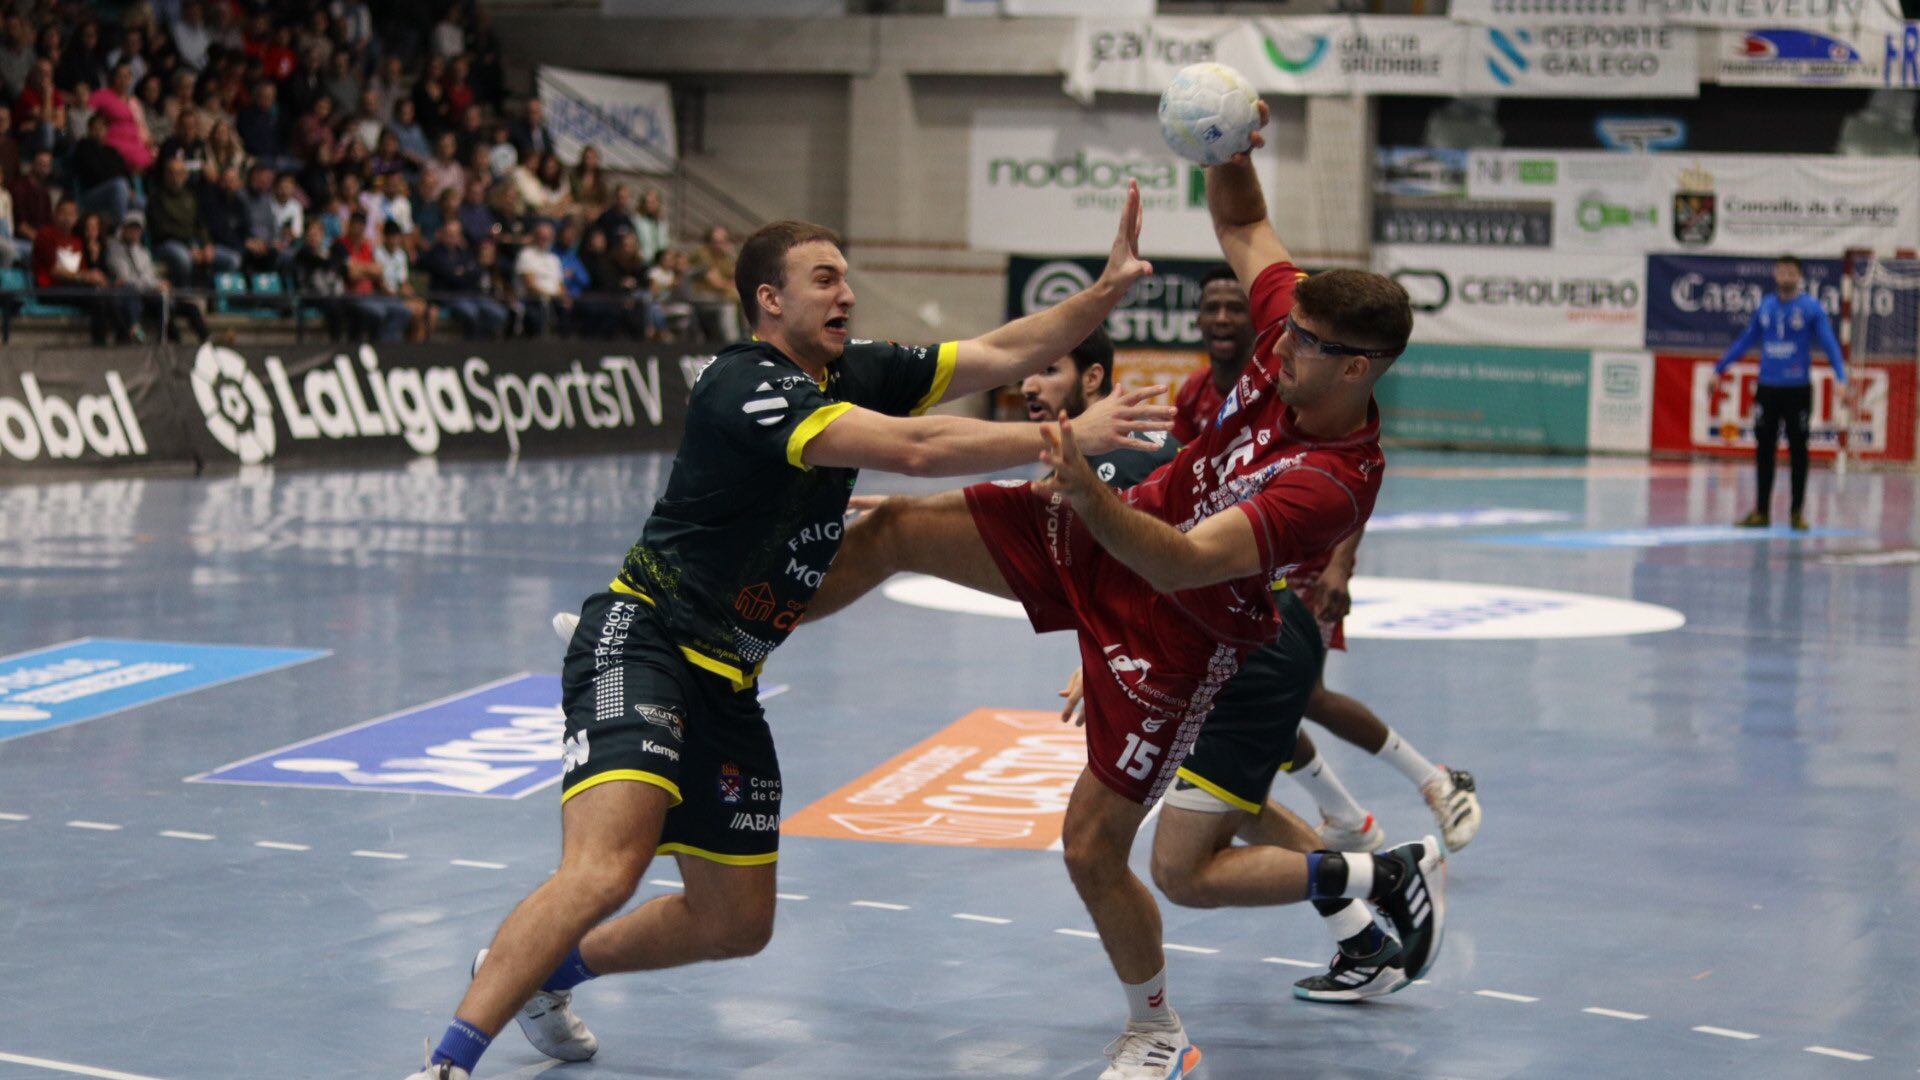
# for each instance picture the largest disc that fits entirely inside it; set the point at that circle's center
(917, 455)
(1176, 576)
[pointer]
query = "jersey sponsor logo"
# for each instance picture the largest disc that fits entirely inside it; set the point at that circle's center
(763, 789)
(804, 574)
(1106, 472)
(502, 741)
(647, 746)
(755, 822)
(755, 602)
(1125, 663)
(664, 718)
(730, 784)
(94, 677)
(994, 778)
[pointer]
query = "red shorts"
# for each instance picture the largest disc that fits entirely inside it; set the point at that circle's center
(1150, 673)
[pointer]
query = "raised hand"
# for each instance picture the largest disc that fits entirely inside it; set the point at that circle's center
(1124, 264)
(1072, 475)
(1259, 140)
(1116, 421)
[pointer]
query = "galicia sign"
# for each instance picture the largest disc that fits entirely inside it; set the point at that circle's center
(1398, 608)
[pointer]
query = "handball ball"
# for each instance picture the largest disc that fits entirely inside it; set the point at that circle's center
(1209, 113)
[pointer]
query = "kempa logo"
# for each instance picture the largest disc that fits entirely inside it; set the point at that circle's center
(47, 424)
(1080, 171)
(1052, 283)
(1316, 51)
(421, 405)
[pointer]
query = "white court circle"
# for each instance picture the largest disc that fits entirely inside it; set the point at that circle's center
(1398, 609)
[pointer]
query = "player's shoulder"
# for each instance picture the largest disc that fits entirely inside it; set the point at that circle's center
(743, 369)
(860, 352)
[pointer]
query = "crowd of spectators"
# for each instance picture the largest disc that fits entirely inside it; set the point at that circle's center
(380, 174)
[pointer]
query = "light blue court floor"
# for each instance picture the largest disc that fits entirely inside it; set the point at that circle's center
(1696, 749)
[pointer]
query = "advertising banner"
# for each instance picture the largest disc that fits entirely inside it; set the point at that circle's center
(1705, 301)
(1577, 57)
(1314, 54)
(319, 403)
(1802, 14)
(1503, 296)
(1791, 56)
(1696, 413)
(1486, 396)
(1620, 402)
(630, 120)
(1401, 219)
(62, 409)
(1052, 181)
(1161, 311)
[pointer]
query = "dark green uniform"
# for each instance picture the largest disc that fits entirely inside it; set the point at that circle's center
(1250, 733)
(659, 682)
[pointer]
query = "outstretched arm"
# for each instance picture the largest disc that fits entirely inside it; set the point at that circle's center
(1027, 345)
(1823, 331)
(1239, 211)
(1741, 344)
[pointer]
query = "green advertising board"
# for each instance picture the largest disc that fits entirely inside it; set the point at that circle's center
(1474, 395)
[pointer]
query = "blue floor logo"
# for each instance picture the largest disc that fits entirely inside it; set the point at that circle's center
(94, 677)
(501, 741)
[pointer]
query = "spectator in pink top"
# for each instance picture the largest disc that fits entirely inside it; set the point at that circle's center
(126, 127)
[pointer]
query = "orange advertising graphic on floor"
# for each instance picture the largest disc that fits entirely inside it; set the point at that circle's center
(995, 778)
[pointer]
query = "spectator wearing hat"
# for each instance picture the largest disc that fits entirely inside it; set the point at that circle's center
(148, 293)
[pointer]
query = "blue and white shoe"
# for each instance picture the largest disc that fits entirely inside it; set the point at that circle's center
(1151, 1052)
(549, 1023)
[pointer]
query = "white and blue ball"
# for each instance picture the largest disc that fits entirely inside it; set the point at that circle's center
(1209, 113)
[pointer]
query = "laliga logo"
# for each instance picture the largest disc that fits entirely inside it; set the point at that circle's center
(239, 414)
(1052, 283)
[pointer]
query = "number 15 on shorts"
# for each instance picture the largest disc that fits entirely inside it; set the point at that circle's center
(1137, 759)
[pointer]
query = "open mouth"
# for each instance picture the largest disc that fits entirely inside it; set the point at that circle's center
(1037, 409)
(837, 324)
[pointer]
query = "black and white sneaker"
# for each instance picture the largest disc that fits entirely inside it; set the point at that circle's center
(1356, 978)
(1417, 905)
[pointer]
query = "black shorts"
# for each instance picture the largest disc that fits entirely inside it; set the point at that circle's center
(1255, 720)
(637, 710)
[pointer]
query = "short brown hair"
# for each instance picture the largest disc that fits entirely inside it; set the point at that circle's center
(1359, 308)
(763, 259)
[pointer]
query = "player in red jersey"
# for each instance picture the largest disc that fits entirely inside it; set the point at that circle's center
(1226, 328)
(1167, 587)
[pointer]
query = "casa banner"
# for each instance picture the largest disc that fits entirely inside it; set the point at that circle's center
(1828, 15)
(1732, 204)
(67, 410)
(1706, 301)
(1697, 412)
(1506, 296)
(1314, 54)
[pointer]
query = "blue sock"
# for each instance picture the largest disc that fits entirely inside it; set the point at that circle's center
(462, 1044)
(571, 973)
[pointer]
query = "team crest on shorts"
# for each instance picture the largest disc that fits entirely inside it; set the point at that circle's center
(731, 788)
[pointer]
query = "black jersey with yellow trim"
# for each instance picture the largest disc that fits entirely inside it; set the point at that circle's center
(739, 542)
(1123, 468)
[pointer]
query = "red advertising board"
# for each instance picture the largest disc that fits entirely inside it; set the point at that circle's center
(1696, 413)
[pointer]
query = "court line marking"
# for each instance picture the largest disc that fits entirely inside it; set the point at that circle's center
(477, 865)
(176, 834)
(1502, 995)
(69, 1067)
(1615, 1013)
(281, 845)
(1201, 949)
(1843, 1055)
(15, 817)
(1078, 933)
(97, 826)
(1725, 1033)
(882, 905)
(991, 920)
(791, 896)
(365, 854)
(666, 883)
(1289, 962)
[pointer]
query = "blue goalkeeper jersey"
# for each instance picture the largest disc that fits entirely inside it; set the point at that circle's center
(1783, 329)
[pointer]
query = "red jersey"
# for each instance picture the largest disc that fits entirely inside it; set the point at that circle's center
(1302, 495)
(1195, 405)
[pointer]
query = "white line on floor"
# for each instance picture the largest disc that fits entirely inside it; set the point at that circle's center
(1843, 1055)
(1078, 933)
(1615, 1013)
(1202, 950)
(1290, 963)
(480, 865)
(1423, 982)
(666, 883)
(1502, 995)
(364, 854)
(176, 834)
(880, 904)
(14, 817)
(1725, 1033)
(281, 845)
(791, 896)
(70, 1067)
(100, 826)
(990, 919)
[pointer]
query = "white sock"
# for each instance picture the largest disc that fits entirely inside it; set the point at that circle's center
(1329, 794)
(1147, 1001)
(1401, 755)
(1352, 918)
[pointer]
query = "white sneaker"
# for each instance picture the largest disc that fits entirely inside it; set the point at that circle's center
(1156, 1052)
(1455, 806)
(548, 1021)
(446, 1070)
(1337, 837)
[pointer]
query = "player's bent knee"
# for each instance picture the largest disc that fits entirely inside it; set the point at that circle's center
(743, 936)
(602, 888)
(1178, 880)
